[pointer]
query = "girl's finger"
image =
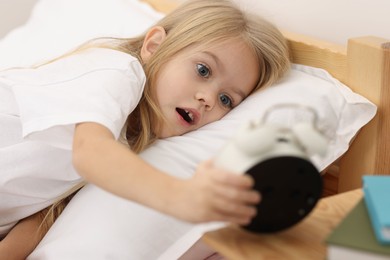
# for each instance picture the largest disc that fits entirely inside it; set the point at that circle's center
(236, 209)
(234, 179)
(237, 195)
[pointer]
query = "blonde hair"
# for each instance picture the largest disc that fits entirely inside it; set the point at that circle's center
(201, 22)
(197, 22)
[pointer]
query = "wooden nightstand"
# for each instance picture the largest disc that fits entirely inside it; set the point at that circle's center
(303, 241)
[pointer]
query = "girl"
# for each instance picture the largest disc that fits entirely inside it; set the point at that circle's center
(62, 121)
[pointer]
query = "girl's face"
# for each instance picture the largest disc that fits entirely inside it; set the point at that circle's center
(200, 85)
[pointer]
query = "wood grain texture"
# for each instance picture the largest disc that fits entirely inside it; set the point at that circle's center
(369, 75)
(303, 241)
(317, 53)
(164, 6)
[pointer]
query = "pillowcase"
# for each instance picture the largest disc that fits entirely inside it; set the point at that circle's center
(99, 225)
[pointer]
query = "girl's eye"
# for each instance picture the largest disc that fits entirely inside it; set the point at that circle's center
(226, 101)
(203, 71)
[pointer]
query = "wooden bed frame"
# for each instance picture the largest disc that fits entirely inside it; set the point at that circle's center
(364, 66)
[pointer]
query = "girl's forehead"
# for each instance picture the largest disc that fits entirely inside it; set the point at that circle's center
(217, 45)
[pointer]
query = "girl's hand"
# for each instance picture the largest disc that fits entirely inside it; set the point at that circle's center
(215, 194)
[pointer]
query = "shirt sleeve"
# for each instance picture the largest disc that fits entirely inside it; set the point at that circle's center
(83, 89)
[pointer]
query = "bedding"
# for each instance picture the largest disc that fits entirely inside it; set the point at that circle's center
(98, 225)
(99, 219)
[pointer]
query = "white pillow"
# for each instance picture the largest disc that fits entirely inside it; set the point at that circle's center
(98, 225)
(57, 26)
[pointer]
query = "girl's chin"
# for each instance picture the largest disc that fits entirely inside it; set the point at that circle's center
(165, 133)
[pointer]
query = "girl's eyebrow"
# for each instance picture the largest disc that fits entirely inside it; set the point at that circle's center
(215, 58)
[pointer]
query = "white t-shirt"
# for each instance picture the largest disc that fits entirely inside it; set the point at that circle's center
(38, 111)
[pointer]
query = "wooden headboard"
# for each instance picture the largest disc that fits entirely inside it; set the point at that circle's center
(363, 65)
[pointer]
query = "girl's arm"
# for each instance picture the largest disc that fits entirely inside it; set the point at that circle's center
(212, 194)
(22, 239)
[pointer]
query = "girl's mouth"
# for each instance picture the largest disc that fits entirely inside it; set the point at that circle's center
(187, 115)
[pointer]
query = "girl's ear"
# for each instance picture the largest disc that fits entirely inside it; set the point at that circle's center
(154, 37)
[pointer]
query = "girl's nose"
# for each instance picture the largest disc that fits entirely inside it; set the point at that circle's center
(206, 98)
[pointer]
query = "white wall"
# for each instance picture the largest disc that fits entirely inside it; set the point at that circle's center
(332, 20)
